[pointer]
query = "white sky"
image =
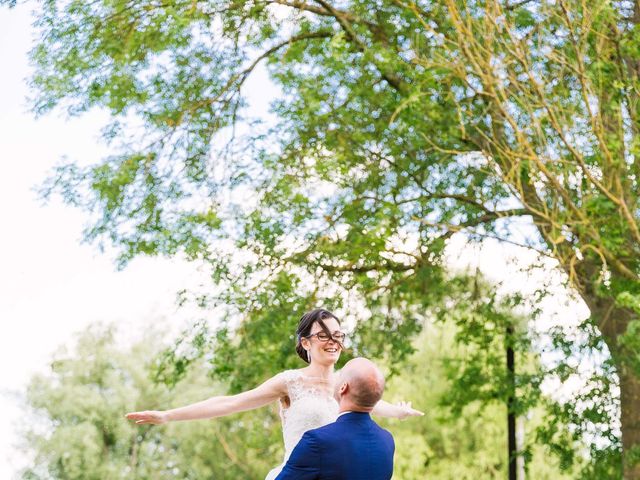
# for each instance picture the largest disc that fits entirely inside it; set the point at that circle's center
(50, 285)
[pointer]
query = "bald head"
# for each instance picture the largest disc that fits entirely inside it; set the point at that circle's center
(360, 385)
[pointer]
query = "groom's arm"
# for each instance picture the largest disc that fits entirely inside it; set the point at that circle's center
(304, 462)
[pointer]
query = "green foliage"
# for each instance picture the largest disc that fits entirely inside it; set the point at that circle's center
(580, 433)
(592, 411)
(78, 430)
(456, 439)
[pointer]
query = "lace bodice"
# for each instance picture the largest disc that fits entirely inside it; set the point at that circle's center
(311, 405)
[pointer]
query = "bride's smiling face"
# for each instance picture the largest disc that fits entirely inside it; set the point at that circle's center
(322, 349)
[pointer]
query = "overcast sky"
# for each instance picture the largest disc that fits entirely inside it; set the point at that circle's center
(52, 286)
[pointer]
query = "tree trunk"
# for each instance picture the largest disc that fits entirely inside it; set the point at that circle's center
(512, 452)
(613, 322)
(630, 406)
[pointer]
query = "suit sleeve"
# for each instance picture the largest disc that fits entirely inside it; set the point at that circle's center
(304, 462)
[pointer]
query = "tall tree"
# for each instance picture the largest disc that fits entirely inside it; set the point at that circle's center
(462, 385)
(399, 124)
(75, 427)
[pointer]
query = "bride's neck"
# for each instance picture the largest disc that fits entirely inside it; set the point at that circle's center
(324, 371)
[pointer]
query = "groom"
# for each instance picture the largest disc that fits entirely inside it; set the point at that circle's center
(354, 447)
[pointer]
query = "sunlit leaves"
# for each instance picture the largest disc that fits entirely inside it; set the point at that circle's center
(76, 427)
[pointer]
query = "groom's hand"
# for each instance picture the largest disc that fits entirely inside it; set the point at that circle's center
(407, 411)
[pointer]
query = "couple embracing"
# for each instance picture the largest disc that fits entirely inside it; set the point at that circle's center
(327, 428)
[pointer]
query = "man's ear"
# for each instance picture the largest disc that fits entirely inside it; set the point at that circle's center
(344, 388)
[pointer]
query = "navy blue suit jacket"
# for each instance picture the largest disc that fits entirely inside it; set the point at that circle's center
(354, 447)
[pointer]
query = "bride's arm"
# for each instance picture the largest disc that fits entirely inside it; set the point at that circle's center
(269, 391)
(400, 410)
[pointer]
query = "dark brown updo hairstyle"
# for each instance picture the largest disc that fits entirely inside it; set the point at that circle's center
(305, 325)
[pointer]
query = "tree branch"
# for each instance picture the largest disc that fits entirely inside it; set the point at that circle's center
(242, 76)
(474, 222)
(385, 266)
(516, 5)
(345, 19)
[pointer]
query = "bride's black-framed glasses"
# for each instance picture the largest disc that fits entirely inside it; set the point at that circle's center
(324, 337)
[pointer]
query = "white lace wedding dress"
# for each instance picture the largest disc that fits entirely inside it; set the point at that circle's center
(311, 405)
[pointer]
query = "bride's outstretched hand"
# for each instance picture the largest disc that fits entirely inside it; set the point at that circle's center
(407, 411)
(399, 410)
(153, 417)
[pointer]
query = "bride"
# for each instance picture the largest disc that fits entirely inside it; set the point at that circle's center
(305, 395)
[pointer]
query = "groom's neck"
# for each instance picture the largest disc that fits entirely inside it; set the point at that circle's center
(348, 406)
